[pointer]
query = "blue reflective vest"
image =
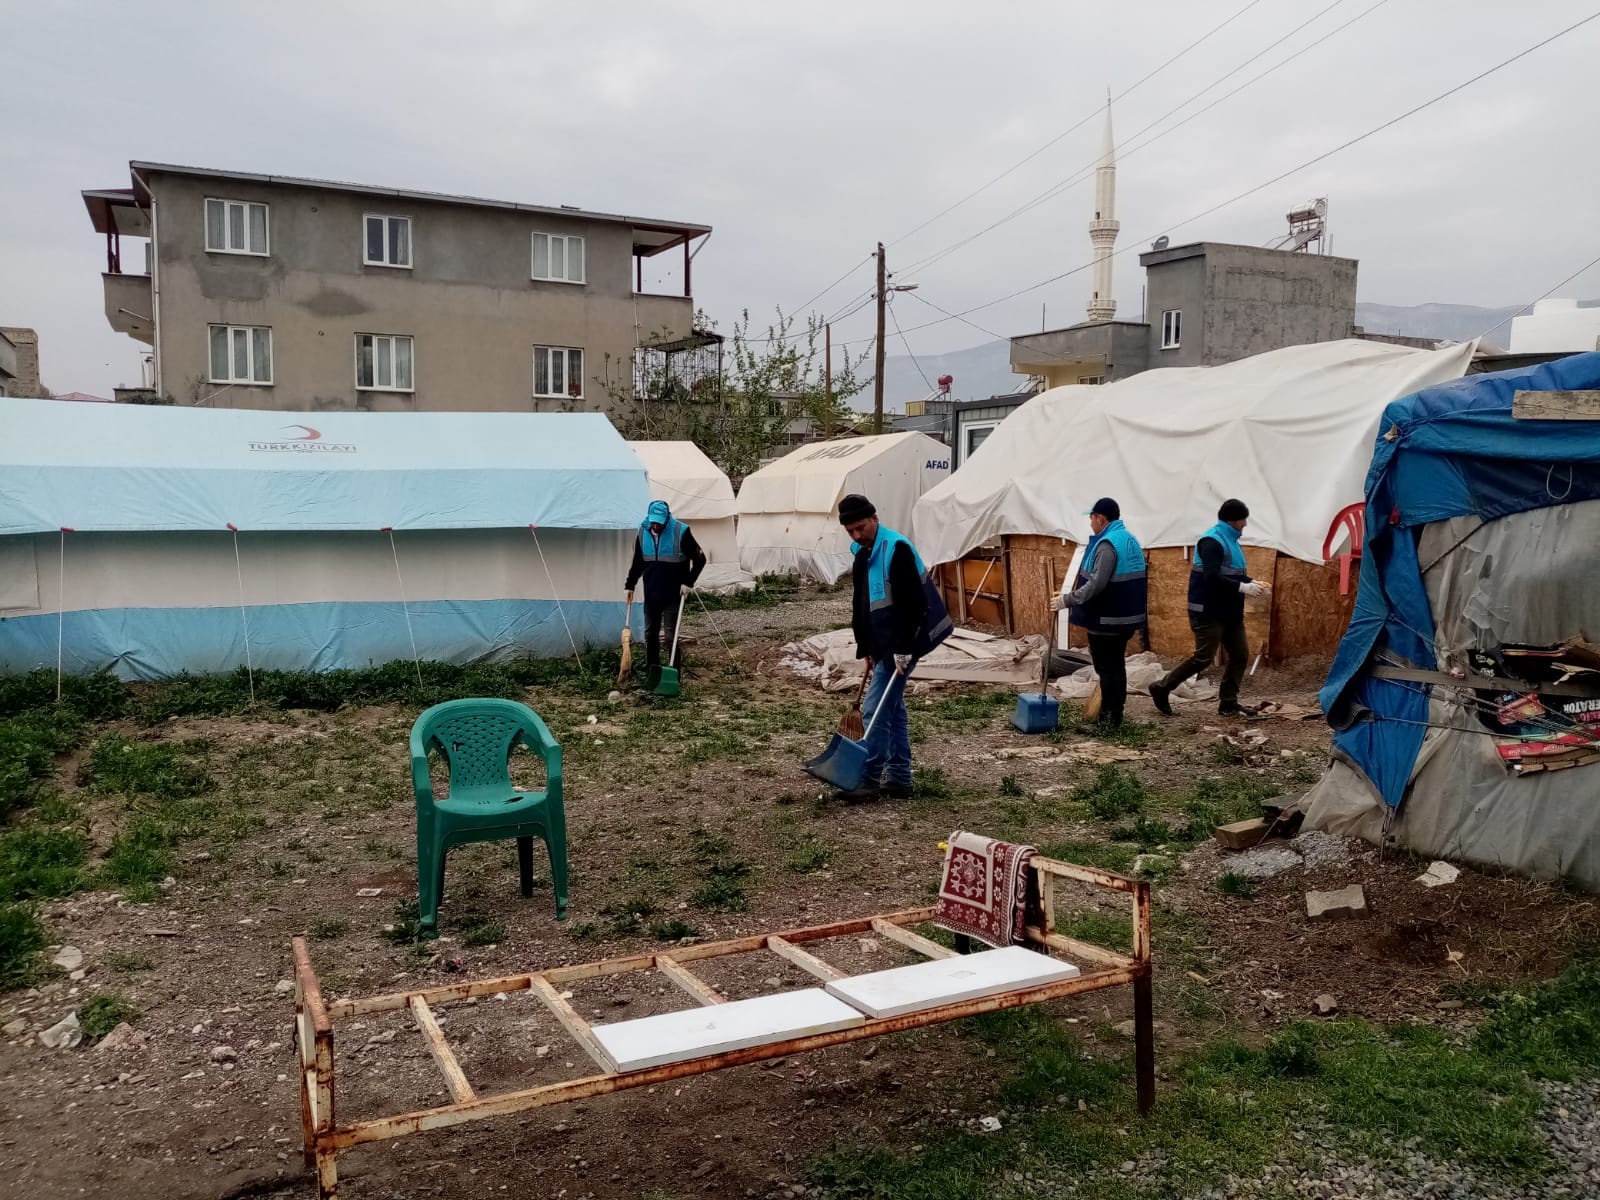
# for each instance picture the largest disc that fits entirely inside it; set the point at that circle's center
(936, 623)
(1123, 605)
(1223, 604)
(668, 548)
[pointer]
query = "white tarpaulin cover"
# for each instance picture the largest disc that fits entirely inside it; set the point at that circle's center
(700, 495)
(788, 510)
(1290, 433)
(966, 656)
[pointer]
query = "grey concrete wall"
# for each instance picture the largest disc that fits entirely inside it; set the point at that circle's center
(1180, 284)
(1130, 351)
(24, 368)
(468, 300)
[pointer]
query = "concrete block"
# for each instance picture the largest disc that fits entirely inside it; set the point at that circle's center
(1241, 835)
(1346, 902)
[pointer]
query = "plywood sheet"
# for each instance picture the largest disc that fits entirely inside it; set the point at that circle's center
(943, 981)
(1309, 615)
(715, 1029)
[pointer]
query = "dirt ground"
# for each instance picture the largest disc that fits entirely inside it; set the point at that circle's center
(657, 794)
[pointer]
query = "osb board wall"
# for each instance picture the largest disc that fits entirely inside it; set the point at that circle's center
(1306, 615)
(1309, 614)
(985, 582)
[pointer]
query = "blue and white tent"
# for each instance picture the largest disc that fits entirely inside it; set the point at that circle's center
(153, 540)
(1483, 532)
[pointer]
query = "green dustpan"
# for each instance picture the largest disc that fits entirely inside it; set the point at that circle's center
(664, 680)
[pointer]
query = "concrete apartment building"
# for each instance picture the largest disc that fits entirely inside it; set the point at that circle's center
(263, 291)
(19, 363)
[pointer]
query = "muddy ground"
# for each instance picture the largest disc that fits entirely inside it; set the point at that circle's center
(687, 818)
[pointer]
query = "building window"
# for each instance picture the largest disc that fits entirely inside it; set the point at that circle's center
(558, 371)
(1171, 328)
(236, 227)
(558, 257)
(383, 363)
(388, 241)
(975, 435)
(241, 354)
(1092, 379)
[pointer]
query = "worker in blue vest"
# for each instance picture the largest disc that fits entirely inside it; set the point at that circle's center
(669, 560)
(1109, 602)
(1218, 588)
(897, 616)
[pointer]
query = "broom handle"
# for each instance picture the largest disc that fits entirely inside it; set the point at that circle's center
(676, 630)
(1050, 637)
(862, 690)
(882, 700)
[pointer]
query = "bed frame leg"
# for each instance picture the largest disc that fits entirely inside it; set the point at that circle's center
(327, 1174)
(1144, 1045)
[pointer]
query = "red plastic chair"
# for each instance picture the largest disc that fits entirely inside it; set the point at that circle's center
(1353, 521)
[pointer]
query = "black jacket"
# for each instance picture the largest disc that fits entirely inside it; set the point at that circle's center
(910, 604)
(662, 580)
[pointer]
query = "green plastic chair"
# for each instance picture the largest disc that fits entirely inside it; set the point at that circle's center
(477, 738)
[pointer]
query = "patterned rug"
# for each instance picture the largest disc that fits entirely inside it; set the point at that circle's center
(984, 890)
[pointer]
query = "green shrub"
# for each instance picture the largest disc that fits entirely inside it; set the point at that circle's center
(1231, 883)
(21, 939)
(154, 769)
(140, 857)
(38, 861)
(1115, 792)
(102, 1014)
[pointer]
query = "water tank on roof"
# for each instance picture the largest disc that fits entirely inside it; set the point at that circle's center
(1556, 327)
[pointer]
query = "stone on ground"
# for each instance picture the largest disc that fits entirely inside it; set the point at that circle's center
(1346, 902)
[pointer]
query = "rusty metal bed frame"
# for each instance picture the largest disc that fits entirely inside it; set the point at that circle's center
(314, 1016)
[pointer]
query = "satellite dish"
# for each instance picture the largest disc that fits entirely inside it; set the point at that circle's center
(1160, 243)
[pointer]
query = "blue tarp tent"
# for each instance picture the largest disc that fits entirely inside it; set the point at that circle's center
(157, 539)
(1478, 532)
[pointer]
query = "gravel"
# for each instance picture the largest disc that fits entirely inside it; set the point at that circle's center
(818, 611)
(1261, 863)
(1315, 1166)
(1320, 849)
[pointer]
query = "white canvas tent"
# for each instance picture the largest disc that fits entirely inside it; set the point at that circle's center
(154, 540)
(700, 495)
(1289, 432)
(788, 510)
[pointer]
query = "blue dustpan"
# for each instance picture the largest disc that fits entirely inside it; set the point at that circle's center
(844, 763)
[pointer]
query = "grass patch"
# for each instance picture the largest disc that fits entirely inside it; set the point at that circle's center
(769, 592)
(723, 889)
(406, 927)
(629, 916)
(970, 708)
(21, 939)
(487, 933)
(1231, 883)
(104, 1013)
(126, 962)
(1115, 792)
(1010, 787)
(809, 857)
(132, 768)
(930, 784)
(1107, 930)
(1108, 856)
(29, 744)
(325, 929)
(140, 858)
(673, 930)
(37, 861)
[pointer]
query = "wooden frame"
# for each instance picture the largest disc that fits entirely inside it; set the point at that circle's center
(314, 1017)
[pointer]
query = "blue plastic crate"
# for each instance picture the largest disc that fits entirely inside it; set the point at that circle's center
(1036, 713)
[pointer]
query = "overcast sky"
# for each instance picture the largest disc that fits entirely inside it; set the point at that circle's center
(806, 132)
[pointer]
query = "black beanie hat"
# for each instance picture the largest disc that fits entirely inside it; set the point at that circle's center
(1232, 510)
(1108, 508)
(855, 508)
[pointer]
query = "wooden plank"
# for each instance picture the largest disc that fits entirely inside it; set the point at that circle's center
(1488, 683)
(454, 1077)
(1556, 406)
(383, 1128)
(911, 941)
(788, 951)
(689, 981)
(572, 1022)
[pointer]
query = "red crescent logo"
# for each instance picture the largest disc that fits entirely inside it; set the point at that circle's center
(310, 435)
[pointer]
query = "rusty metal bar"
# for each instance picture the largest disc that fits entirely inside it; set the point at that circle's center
(788, 951)
(573, 1023)
(911, 941)
(689, 981)
(1076, 949)
(597, 1085)
(454, 1077)
(1089, 875)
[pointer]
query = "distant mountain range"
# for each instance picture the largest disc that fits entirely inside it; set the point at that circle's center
(982, 371)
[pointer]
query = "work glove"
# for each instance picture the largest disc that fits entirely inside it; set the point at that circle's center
(1057, 602)
(683, 590)
(902, 663)
(1252, 589)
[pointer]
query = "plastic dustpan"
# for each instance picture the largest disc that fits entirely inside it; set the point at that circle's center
(664, 680)
(844, 762)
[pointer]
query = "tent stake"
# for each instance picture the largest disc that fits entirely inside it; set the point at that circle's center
(244, 620)
(404, 606)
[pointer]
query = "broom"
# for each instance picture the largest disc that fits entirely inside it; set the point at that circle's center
(627, 643)
(850, 724)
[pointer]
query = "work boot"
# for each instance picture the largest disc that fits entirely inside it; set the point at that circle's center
(898, 791)
(1233, 709)
(861, 795)
(1161, 695)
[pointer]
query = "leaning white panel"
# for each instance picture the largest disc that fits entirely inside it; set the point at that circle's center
(949, 981)
(718, 1028)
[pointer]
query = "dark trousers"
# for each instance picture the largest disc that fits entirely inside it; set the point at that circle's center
(1210, 635)
(1108, 652)
(660, 622)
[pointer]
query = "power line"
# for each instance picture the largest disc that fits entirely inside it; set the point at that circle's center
(907, 345)
(1088, 170)
(1593, 262)
(1279, 178)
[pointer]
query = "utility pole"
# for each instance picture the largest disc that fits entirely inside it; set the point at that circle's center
(877, 376)
(827, 378)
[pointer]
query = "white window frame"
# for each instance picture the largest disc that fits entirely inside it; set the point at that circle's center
(234, 379)
(1171, 328)
(227, 208)
(567, 241)
(388, 248)
(968, 429)
(393, 339)
(566, 353)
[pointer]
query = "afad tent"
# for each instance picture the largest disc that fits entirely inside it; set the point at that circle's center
(700, 495)
(154, 540)
(1480, 589)
(1288, 432)
(788, 510)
